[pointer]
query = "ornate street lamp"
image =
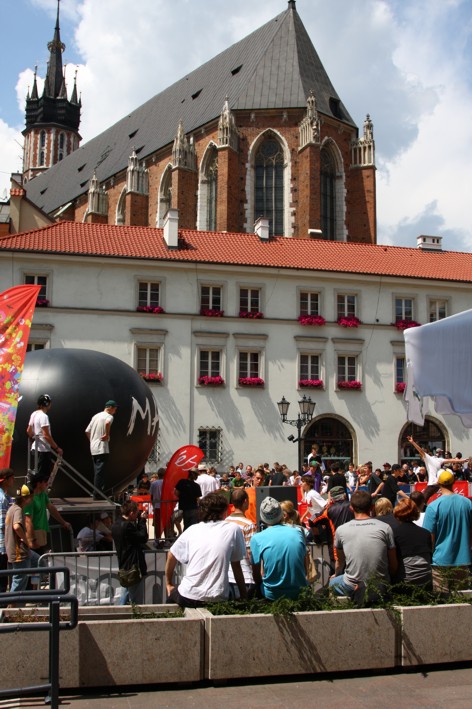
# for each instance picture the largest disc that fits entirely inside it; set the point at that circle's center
(307, 408)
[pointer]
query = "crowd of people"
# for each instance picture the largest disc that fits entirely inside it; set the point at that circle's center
(236, 545)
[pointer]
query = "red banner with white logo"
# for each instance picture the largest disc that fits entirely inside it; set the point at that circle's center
(16, 315)
(183, 460)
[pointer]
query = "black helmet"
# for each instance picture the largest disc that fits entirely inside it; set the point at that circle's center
(44, 400)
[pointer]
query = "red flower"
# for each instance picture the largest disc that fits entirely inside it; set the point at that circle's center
(311, 383)
(211, 381)
(250, 314)
(400, 387)
(350, 385)
(349, 321)
(150, 309)
(155, 377)
(405, 324)
(251, 382)
(212, 312)
(311, 320)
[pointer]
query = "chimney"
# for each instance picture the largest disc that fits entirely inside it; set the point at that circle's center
(429, 243)
(261, 228)
(315, 233)
(171, 228)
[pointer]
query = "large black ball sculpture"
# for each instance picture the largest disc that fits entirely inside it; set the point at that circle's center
(80, 382)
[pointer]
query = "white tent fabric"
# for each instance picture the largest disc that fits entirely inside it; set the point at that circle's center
(439, 365)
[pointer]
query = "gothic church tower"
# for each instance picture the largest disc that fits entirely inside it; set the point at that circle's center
(52, 120)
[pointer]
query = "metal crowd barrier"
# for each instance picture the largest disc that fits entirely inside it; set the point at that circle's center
(52, 597)
(94, 576)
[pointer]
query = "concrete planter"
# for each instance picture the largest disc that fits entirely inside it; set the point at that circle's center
(109, 647)
(436, 634)
(321, 641)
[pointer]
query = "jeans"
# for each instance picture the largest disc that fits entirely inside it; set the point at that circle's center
(341, 587)
(99, 464)
(132, 594)
(19, 582)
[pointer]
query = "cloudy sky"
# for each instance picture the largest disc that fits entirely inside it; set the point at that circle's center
(406, 62)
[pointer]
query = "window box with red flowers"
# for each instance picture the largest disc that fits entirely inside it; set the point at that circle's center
(212, 312)
(42, 303)
(251, 382)
(252, 315)
(211, 381)
(310, 384)
(156, 309)
(312, 320)
(406, 324)
(349, 321)
(354, 384)
(153, 378)
(400, 387)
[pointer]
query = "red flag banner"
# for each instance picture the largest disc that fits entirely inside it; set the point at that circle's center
(183, 460)
(16, 314)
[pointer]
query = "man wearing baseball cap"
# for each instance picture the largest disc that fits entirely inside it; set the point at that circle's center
(207, 482)
(280, 550)
(98, 433)
(449, 519)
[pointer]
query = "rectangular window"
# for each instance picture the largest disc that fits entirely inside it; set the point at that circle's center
(148, 360)
(346, 305)
(309, 366)
(250, 300)
(437, 310)
(211, 298)
(148, 294)
(209, 363)
(34, 280)
(33, 346)
(347, 368)
(400, 370)
(209, 441)
(249, 365)
(309, 303)
(403, 309)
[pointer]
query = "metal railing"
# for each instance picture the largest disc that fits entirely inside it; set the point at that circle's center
(54, 598)
(67, 468)
(94, 576)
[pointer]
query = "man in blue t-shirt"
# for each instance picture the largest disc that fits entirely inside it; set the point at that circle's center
(280, 550)
(449, 519)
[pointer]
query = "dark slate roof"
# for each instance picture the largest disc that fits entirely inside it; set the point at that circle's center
(274, 67)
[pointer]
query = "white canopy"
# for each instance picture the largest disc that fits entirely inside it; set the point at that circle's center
(439, 365)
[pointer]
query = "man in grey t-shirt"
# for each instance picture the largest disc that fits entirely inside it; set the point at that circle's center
(365, 547)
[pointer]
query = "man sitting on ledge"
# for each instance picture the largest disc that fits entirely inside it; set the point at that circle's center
(207, 548)
(365, 548)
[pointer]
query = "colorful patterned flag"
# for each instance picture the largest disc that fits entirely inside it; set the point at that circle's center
(16, 313)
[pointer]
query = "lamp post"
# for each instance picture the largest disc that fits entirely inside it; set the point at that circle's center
(307, 407)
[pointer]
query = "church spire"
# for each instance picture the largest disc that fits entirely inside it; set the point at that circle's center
(54, 78)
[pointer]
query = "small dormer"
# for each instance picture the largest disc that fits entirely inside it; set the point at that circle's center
(429, 243)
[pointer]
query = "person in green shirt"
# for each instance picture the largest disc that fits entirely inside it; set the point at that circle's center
(237, 481)
(36, 514)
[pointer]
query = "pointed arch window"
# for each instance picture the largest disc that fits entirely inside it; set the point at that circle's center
(212, 188)
(61, 146)
(328, 195)
(269, 185)
(42, 139)
(165, 196)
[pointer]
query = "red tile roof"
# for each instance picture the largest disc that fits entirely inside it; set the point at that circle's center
(134, 242)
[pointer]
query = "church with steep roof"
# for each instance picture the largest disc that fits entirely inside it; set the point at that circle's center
(257, 131)
(221, 240)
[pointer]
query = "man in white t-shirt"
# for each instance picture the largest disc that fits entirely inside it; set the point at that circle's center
(207, 549)
(98, 433)
(39, 431)
(433, 464)
(207, 483)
